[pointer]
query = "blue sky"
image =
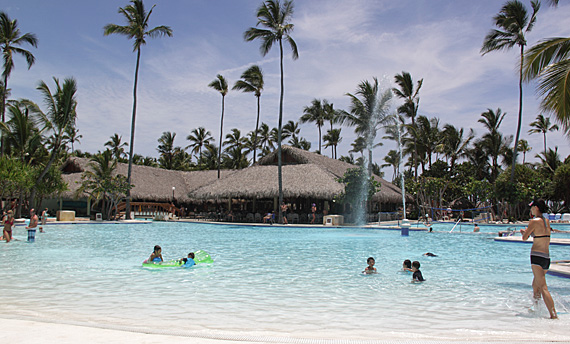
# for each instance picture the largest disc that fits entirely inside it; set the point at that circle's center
(340, 44)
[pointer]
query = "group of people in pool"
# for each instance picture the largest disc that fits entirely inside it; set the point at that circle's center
(408, 266)
(8, 223)
(156, 257)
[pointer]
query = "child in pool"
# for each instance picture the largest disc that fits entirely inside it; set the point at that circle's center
(417, 276)
(370, 269)
(156, 255)
(407, 266)
(188, 261)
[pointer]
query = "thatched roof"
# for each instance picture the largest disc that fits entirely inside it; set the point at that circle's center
(150, 183)
(305, 174)
(308, 180)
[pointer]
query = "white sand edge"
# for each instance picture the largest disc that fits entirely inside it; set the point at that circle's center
(35, 332)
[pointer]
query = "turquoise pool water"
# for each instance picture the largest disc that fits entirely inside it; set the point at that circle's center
(281, 281)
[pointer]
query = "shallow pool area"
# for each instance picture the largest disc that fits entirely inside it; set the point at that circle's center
(282, 281)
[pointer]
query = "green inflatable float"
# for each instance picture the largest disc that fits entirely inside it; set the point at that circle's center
(200, 257)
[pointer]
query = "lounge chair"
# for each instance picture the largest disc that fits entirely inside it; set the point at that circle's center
(258, 217)
(566, 217)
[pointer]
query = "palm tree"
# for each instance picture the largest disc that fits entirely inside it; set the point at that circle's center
(10, 42)
(315, 113)
(73, 136)
(368, 114)
(300, 142)
(549, 161)
(512, 24)
(137, 28)
(392, 159)
(199, 137)
(411, 104)
(493, 142)
(235, 139)
(332, 139)
(358, 146)
(221, 85)
(166, 149)
(61, 114)
(524, 148)
(454, 146)
(264, 136)
(542, 125)
(21, 131)
(252, 82)
(291, 130)
(116, 146)
(275, 17)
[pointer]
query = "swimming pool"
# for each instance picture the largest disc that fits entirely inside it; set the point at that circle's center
(280, 282)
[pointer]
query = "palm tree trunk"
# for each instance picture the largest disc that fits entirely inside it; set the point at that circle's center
(221, 133)
(4, 93)
(279, 130)
(544, 144)
(320, 152)
(256, 130)
(520, 117)
(132, 145)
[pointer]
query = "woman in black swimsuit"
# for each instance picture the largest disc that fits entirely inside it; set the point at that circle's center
(539, 228)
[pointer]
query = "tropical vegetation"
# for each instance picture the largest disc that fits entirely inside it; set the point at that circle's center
(439, 164)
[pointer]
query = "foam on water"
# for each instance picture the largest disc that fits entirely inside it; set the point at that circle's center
(302, 282)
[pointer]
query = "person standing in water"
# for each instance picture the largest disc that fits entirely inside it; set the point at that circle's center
(539, 229)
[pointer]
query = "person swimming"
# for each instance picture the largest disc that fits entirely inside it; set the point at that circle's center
(156, 255)
(429, 254)
(407, 265)
(417, 276)
(370, 269)
(189, 261)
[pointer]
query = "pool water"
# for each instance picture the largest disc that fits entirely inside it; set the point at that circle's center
(281, 281)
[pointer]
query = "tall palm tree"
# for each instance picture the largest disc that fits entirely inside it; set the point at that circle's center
(368, 113)
(275, 18)
(333, 139)
(252, 82)
(541, 126)
(61, 114)
(221, 85)
(410, 95)
(332, 116)
(512, 24)
(549, 161)
(10, 42)
(200, 137)
(137, 28)
(117, 147)
(316, 114)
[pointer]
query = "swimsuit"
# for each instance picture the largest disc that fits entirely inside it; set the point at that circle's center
(417, 276)
(540, 258)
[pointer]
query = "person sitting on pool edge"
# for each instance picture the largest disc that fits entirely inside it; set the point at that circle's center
(188, 262)
(156, 255)
(370, 269)
(417, 276)
(407, 266)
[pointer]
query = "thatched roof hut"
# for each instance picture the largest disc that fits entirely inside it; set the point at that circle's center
(305, 174)
(150, 183)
